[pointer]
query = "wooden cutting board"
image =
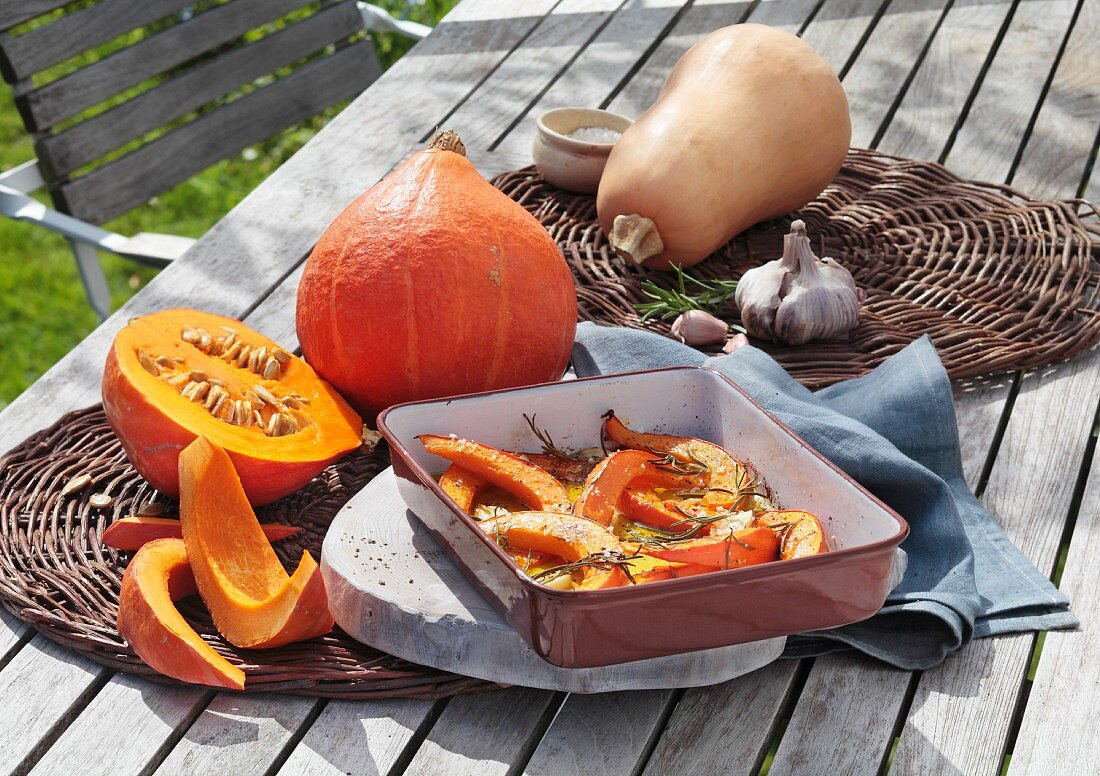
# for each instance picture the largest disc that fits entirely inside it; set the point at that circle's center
(392, 587)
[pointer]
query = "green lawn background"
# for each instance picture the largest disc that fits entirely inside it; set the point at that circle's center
(43, 311)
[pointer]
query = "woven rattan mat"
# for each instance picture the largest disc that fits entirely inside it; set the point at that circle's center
(998, 280)
(56, 574)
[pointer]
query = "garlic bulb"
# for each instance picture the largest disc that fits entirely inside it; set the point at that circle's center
(798, 298)
(698, 327)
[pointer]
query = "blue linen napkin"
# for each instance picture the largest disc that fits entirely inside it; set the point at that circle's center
(894, 431)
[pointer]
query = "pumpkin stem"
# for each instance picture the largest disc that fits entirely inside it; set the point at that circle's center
(448, 140)
(635, 238)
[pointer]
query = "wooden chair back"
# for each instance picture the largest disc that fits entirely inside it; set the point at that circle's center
(184, 84)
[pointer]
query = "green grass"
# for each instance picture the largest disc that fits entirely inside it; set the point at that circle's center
(43, 311)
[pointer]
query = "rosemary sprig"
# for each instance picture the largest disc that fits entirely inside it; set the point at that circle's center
(670, 464)
(668, 303)
(605, 559)
(547, 441)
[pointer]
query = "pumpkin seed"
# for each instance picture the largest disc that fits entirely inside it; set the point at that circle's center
(178, 359)
(151, 509)
(148, 364)
(190, 391)
(222, 399)
(177, 380)
(231, 413)
(199, 376)
(190, 336)
(166, 362)
(301, 398)
(254, 359)
(231, 354)
(217, 382)
(291, 403)
(257, 418)
(76, 484)
(100, 501)
(271, 368)
(242, 357)
(281, 355)
(266, 395)
(228, 329)
(212, 397)
(272, 425)
(289, 423)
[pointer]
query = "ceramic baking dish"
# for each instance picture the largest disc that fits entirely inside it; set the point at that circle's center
(600, 627)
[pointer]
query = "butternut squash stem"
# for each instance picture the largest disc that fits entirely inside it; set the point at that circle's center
(448, 140)
(635, 238)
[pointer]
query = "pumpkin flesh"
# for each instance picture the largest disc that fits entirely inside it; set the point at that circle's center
(149, 367)
(159, 575)
(253, 601)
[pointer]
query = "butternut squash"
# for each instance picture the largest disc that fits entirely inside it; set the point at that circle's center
(751, 124)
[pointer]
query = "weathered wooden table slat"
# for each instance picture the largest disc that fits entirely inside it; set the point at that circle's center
(1002, 90)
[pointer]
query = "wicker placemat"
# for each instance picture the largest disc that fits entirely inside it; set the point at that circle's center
(998, 280)
(56, 574)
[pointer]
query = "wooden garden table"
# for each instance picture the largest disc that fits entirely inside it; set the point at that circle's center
(1001, 90)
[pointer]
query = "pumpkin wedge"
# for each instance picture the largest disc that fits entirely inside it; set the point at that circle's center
(696, 457)
(802, 532)
(178, 374)
(565, 536)
(159, 575)
(253, 601)
(462, 485)
(532, 485)
(732, 550)
(605, 485)
(131, 533)
(645, 506)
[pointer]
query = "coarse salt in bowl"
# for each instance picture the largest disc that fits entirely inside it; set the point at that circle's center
(572, 145)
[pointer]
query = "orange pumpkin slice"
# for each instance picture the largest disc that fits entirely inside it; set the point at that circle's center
(700, 459)
(178, 374)
(606, 483)
(535, 487)
(803, 535)
(565, 536)
(462, 485)
(158, 576)
(252, 600)
(645, 506)
(131, 533)
(740, 548)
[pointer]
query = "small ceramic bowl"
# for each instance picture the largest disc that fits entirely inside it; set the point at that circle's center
(575, 163)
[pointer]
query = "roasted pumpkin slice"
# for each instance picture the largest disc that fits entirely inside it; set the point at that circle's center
(535, 487)
(568, 537)
(699, 459)
(131, 533)
(563, 469)
(605, 485)
(802, 533)
(645, 506)
(159, 575)
(253, 601)
(462, 486)
(731, 550)
(178, 374)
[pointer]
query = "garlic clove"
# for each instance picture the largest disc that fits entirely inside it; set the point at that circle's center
(798, 297)
(698, 327)
(736, 342)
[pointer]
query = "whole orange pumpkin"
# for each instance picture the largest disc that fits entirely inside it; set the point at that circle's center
(434, 283)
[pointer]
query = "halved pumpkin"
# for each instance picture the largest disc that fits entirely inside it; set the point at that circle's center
(178, 374)
(535, 487)
(565, 536)
(158, 576)
(253, 601)
(131, 533)
(740, 548)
